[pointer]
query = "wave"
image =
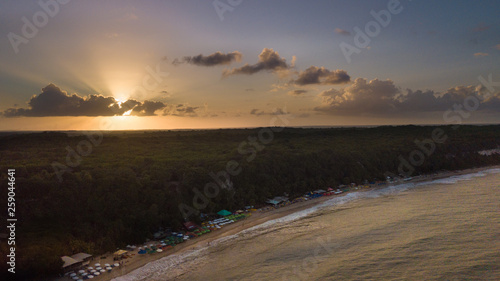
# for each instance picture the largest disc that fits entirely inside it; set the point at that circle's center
(175, 265)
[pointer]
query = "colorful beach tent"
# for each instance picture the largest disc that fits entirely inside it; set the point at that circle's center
(224, 213)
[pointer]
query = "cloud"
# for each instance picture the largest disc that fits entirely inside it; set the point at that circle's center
(147, 108)
(478, 55)
(342, 31)
(297, 92)
(268, 60)
(276, 111)
(481, 27)
(165, 93)
(321, 75)
(214, 59)
(52, 101)
(383, 98)
(181, 110)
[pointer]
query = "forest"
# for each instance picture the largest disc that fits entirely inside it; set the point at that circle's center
(96, 191)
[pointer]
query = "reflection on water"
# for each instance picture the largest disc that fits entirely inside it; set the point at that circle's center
(447, 229)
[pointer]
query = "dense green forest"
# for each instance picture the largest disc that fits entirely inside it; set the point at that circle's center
(77, 192)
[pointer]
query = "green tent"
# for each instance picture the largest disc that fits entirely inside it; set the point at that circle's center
(224, 213)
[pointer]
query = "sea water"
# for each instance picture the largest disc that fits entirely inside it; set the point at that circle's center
(446, 229)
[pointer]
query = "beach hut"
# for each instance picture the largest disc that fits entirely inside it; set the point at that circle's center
(223, 213)
(119, 254)
(70, 263)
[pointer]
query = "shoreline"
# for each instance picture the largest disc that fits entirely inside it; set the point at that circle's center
(255, 219)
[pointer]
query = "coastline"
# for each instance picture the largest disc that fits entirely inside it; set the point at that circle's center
(255, 219)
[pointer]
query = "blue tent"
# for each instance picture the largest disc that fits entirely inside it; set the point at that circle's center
(224, 213)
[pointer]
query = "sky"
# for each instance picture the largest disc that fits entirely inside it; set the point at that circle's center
(191, 64)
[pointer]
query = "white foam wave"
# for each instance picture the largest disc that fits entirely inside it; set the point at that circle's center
(177, 264)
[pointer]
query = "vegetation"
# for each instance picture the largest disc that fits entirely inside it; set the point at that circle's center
(131, 183)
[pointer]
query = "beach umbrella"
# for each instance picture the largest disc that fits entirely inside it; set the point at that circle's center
(108, 268)
(102, 270)
(81, 271)
(97, 264)
(75, 277)
(72, 274)
(79, 280)
(90, 268)
(85, 274)
(116, 264)
(96, 273)
(92, 271)
(106, 264)
(90, 276)
(159, 250)
(98, 268)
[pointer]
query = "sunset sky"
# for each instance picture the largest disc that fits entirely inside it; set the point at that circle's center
(80, 65)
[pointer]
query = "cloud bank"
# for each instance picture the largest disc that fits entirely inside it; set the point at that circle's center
(52, 101)
(383, 98)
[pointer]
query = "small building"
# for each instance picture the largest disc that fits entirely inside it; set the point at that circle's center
(277, 200)
(118, 255)
(224, 213)
(70, 263)
(83, 257)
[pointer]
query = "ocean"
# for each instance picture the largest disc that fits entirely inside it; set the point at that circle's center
(447, 229)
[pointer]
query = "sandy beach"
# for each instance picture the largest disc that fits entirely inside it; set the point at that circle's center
(256, 218)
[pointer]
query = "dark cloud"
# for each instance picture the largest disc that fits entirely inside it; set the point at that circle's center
(214, 59)
(342, 31)
(383, 98)
(147, 108)
(297, 92)
(321, 75)
(181, 110)
(268, 60)
(52, 101)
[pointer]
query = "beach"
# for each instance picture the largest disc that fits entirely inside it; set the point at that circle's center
(257, 218)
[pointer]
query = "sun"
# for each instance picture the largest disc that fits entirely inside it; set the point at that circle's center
(119, 101)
